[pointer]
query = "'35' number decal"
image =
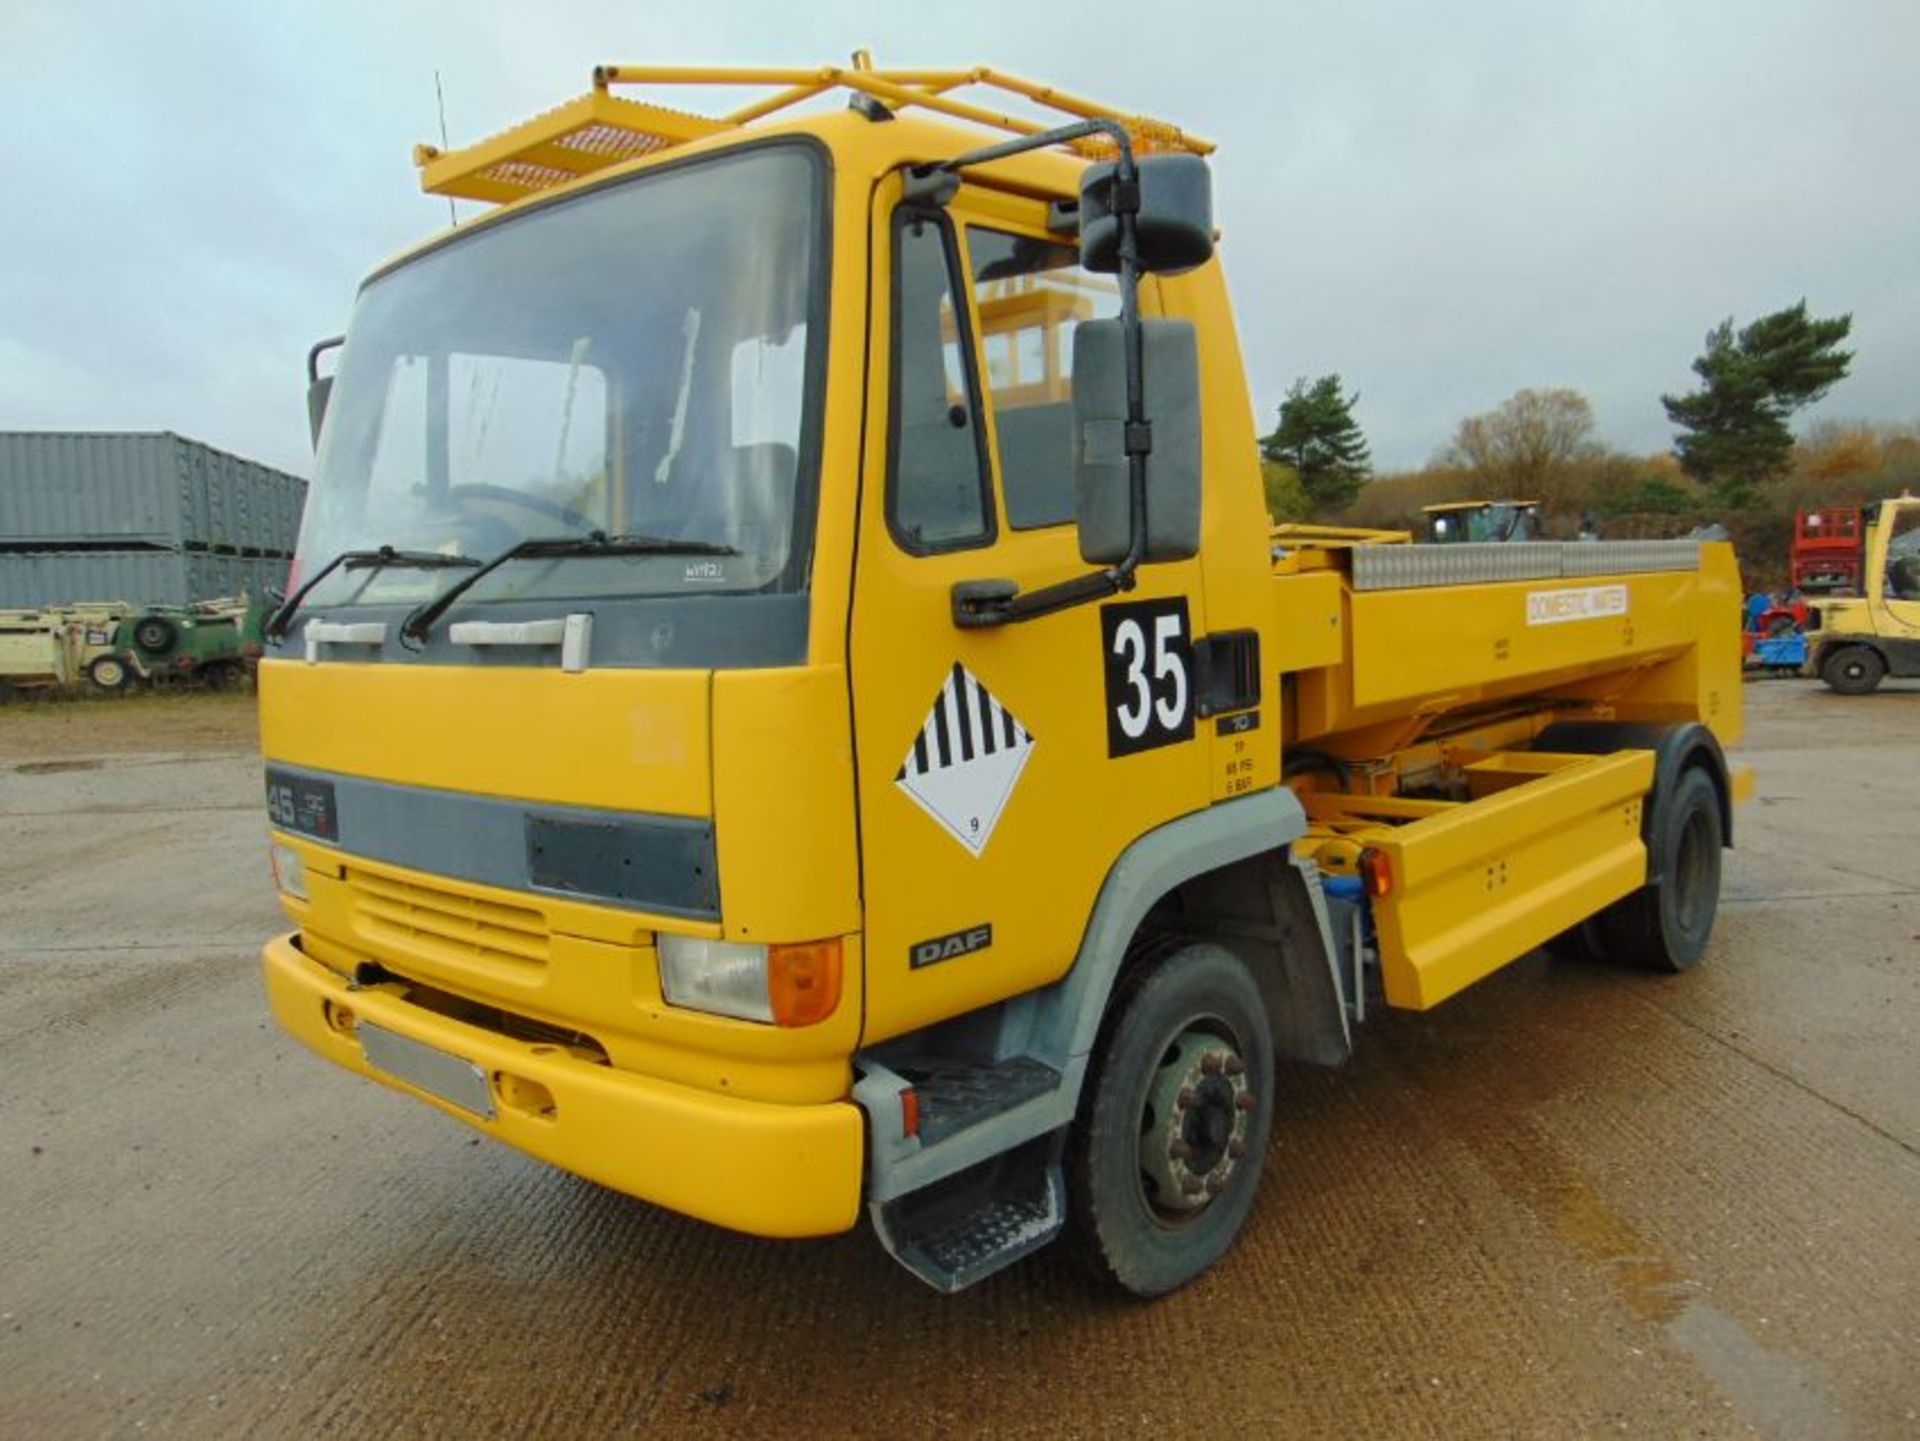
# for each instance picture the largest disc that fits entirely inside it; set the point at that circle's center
(1149, 665)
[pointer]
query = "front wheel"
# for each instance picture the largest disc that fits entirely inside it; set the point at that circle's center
(1166, 1156)
(1853, 669)
(109, 673)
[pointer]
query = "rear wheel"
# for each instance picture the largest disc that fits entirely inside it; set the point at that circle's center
(1666, 924)
(1166, 1155)
(1853, 669)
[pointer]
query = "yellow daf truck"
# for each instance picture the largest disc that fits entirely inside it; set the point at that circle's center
(791, 706)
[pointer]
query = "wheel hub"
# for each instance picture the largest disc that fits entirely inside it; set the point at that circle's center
(1194, 1130)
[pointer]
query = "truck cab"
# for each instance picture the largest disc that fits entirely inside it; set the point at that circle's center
(785, 699)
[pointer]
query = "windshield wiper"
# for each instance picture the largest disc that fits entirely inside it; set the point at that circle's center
(552, 547)
(276, 624)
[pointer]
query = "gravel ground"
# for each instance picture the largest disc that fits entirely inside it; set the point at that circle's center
(1572, 1201)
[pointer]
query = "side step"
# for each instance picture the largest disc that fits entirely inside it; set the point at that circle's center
(964, 1169)
(957, 1095)
(963, 1229)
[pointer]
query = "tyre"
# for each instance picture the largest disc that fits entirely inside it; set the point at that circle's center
(109, 673)
(221, 675)
(1853, 669)
(1166, 1154)
(1666, 924)
(155, 634)
(1577, 943)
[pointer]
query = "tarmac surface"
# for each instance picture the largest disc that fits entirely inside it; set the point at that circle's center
(1572, 1201)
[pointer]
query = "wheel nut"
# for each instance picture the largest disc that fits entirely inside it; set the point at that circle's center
(1236, 1066)
(1180, 1151)
(1236, 1148)
(1191, 1185)
(1216, 1184)
(1185, 1098)
(1243, 1101)
(1211, 1062)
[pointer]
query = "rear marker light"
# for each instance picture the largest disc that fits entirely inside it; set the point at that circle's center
(909, 1112)
(1376, 872)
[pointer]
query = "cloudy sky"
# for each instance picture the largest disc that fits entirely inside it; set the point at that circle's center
(1442, 202)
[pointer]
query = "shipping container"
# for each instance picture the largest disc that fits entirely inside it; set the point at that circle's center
(66, 490)
(138, 577)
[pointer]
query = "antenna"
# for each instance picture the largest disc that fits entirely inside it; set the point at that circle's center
(440, 99)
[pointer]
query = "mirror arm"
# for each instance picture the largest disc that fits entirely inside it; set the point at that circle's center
(1059, 135)
(320, 348)
(983, 604)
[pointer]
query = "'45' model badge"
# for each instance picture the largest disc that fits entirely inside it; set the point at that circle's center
(966, 760)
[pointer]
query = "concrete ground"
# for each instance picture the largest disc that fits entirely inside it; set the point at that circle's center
(1572, 1201)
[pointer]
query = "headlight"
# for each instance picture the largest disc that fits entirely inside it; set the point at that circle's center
(724, 977)
(289, 871)
(785, 985)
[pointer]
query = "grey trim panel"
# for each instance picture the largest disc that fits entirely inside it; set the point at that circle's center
(1408, 567)
(1063, 1021)
(1146, 871)
(665, 864)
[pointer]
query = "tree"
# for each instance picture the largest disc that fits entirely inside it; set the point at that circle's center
(1529, 446)
(1319, 438)
(1286, 498)
(1734, 433)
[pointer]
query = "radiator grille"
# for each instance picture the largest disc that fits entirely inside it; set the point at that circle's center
(446, 924)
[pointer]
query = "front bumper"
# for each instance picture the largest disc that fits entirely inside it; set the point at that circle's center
(753, 1166)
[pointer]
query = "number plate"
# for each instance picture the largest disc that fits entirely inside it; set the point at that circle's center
(452, 1078)
(303, 804)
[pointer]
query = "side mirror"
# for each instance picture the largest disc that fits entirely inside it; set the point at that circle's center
(319, 387)
(1175, 219)
(1170, 384)
(318, 390)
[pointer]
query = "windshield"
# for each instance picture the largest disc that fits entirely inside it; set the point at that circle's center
(633, 361)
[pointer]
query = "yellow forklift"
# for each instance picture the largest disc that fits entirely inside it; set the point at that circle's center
(1456, 522)
(1857, 641)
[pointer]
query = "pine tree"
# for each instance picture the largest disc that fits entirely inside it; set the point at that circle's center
(1734, 433)
(1319, 438)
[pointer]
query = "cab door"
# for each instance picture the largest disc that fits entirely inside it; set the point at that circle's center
(1001, 770)
(1898, 623)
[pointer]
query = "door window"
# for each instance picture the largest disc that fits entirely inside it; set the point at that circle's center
(938, 496)
(1031, 294)
(1903, 558)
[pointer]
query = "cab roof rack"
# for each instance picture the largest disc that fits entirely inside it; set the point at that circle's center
(600, 129)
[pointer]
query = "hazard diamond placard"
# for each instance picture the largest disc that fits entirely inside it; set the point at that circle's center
(966, 759)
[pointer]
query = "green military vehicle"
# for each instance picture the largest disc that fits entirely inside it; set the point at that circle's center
(214, 643)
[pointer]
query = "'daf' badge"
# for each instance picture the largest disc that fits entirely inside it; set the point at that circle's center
(966, 760)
